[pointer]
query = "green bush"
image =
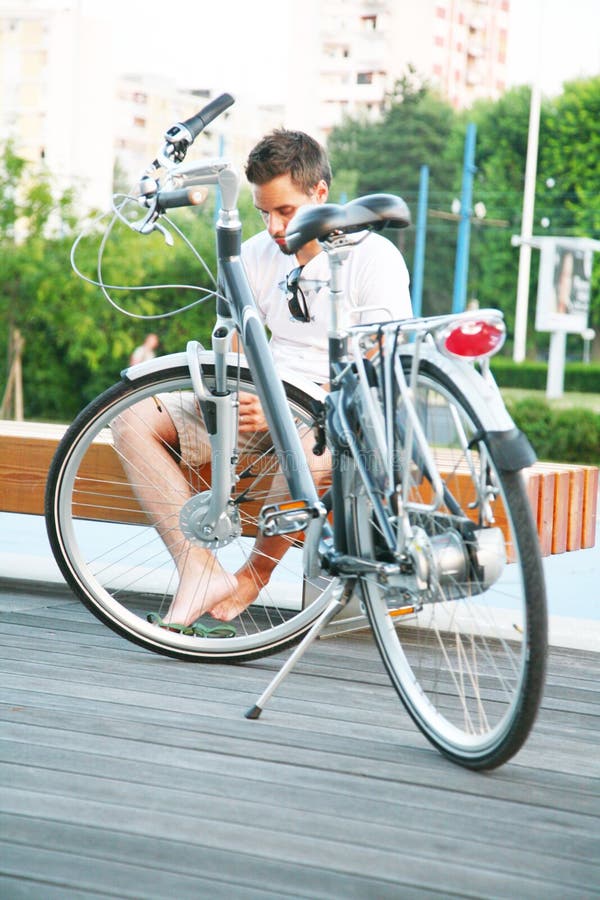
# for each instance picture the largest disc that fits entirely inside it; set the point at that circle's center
(531, 375)
(561, 435)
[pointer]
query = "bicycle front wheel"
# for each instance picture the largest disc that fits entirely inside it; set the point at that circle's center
(463, 631)
(115, 553)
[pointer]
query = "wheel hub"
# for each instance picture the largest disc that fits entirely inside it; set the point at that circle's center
(200, 526)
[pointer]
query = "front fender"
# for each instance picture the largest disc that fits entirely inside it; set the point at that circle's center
(175, 360)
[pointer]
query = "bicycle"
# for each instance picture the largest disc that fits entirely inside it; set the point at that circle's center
(418, 520)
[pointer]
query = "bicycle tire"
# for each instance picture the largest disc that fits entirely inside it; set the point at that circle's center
(469, 665)
(115, 561)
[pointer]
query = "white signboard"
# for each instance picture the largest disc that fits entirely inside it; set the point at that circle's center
(564, 286)
(563, 298)
(564, 282)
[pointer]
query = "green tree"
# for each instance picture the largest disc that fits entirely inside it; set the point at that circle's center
(417, 127)
(387, 156)
(501, 152)
(567, 189)
(76, 343)
(570, 157)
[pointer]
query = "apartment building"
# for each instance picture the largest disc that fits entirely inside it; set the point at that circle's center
(146, 105)
(460, 45)
(358, 48)
(64, 104)
(56, 95)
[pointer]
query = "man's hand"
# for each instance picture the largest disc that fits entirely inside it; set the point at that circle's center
(251, 416)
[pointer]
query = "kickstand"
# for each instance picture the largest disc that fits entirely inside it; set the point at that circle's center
(340, 598)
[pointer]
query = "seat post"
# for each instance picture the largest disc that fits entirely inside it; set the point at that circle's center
(338, 326)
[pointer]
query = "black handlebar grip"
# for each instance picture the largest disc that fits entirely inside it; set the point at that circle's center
(192, 196)
(198, 123)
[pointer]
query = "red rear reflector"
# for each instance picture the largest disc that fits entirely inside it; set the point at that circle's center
(472, 340)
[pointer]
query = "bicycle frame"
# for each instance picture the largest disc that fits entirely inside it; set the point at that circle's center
(237, 312)
(429, 508)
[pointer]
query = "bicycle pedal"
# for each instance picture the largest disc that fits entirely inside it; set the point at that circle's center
(410, 609)
(405, 605)
(285, 518)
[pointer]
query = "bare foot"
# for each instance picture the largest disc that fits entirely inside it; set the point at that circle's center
(202, 583)
(246, 592)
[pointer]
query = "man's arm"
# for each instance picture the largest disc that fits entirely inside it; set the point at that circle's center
(382, 280)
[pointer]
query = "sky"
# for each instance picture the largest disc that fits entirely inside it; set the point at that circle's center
(553, 40)
(233, 44)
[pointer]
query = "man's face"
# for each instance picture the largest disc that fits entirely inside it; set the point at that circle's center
(279, 199)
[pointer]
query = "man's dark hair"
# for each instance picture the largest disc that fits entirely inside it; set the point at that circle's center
(294, 152)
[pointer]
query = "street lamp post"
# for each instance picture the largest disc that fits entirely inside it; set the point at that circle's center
(461, 268)
(527, 226)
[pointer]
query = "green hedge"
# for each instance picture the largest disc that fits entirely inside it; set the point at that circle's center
(579, 377)
(559, 435)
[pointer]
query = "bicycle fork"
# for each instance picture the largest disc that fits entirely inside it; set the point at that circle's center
(211, 518)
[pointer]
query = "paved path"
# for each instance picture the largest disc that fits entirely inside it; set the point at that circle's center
(125, 774)
(572, 579)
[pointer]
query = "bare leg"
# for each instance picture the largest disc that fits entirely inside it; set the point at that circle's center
(142, 435)
(268, 551)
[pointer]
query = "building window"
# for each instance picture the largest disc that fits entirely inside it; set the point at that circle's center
(369, 23)
(139, 122)
(440, 12)
(439, 40)
(364, 78)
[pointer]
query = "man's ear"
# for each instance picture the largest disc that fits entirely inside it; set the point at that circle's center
(322, 192)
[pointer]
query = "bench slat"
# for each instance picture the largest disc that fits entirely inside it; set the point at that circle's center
(563, 497)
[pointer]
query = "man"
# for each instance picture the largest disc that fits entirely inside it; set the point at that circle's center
(286, 170)
(145, 351)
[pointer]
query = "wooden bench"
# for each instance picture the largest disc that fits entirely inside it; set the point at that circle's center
(564, 498)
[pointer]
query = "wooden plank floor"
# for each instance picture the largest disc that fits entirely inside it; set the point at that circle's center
(125, 774)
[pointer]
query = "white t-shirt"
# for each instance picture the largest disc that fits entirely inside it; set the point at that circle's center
(374, 275)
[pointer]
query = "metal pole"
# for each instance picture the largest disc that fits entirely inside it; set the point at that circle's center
(522, 303)
(556, 365)
(218, 191)
(461, 268)
(419, 260)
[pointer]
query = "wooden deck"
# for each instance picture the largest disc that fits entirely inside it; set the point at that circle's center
(125, 774)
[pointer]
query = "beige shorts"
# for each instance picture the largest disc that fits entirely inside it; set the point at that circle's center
(194, 442)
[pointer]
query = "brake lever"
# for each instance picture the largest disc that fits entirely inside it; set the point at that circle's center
(147, 227)
(150, 223)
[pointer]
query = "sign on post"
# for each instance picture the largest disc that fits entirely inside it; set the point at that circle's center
(564, 287)
(563, 296)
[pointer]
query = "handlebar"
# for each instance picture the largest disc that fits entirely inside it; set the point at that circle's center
(183, 180)
(182, 134)
(196, 124)
(183, 197)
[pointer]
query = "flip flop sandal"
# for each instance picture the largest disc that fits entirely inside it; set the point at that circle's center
(214, 631)
(196, 630)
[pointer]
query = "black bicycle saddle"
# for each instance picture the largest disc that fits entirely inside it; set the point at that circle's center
(373, 211)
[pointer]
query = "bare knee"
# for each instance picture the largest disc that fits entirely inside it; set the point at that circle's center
(143, 422)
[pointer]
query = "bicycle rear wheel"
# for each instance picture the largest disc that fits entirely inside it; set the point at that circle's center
(462, 634)
(109, 547)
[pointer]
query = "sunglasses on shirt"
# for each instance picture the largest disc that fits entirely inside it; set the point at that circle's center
(297, 301)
